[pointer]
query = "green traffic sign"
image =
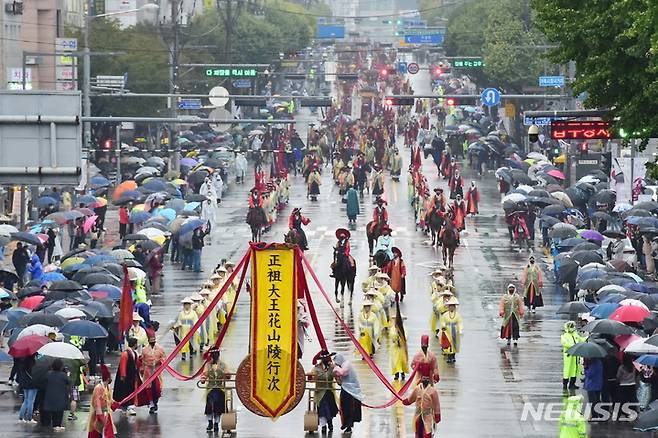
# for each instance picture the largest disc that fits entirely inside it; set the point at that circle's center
(232, 72)
(468, 63)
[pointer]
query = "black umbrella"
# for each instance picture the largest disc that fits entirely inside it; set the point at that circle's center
(97, 309)
(196, 178)
(585, 257)
(562, 231)
(647, 205)
(72, 253)
(553, 210)
(543, 202)
(594, 283)
(82, 273)
(30, 238)
(521, 177)
(114, 269)
(539, 193)
(639, 212)
(572, 308)
(195, 197)
(602, 216)
(650, 323)
(549, 221)
(568, 270)
(588, 350)
(29, 291)
(132, 263)
(647, 421)
(65, 285)
(578, 197)
(586, 246)
(135, 237)
(71, 295)
(608, 327)
(586, 187)
(44, 364)
(101, 278)
(613, 234)
(605, 197)
(47, 319)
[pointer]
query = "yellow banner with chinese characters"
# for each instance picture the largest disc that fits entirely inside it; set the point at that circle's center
(273, 345)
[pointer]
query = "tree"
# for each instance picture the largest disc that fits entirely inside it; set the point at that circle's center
(614, 44)
(502, 33)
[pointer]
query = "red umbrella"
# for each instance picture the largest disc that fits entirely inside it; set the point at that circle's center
(32, 302)
(624, 340)
(629, 314)
(28, 345)
(89, 223)
(556, 174)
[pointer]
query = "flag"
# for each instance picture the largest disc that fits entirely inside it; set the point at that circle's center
(126, 308)
(418, 162)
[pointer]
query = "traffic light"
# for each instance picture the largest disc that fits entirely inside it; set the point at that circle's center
(583, 148)
(437, 71)
(451, 101)
(107, 144)
(383, 72)
(399, 101)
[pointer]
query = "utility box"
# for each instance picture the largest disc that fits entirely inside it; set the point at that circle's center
(40, 138)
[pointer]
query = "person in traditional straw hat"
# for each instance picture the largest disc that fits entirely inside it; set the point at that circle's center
(186, 319)
(199, 308)
(368, 328)
(138, 332)
(439, 307)
(325, 397)
(213, 377)
(370, 281)
(451, 330)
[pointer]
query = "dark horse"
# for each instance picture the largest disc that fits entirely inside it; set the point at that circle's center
(257, 220)
(344, 273)
(450, 241)
(435, 220)
(293, 237)
(373, 233)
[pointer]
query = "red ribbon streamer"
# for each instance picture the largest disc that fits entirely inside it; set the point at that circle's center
(218, 342)
(364, 354)
(195, 327)
(311, 308)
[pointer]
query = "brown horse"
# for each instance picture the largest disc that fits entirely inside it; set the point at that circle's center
(293, 237)
(257, 220)
(435, 220)
(373, 233)
(449, 237)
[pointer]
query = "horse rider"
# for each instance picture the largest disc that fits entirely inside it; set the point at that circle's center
(385, 242)
(295, 221)
(342, 247)
(439, 199)
(379, 215)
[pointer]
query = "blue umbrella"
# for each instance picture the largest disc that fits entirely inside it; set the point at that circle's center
(73, 268)
(112, 291)
(98, 259)
(13, 316)
(602, 311)
(191, 225)
(86, 200)
(155, 186)
(45, 201)
(138, 217)
(641, 287)
(175, 204)
(85, 329)
(191, 206)
(648, 359)
(168, 213)
(99, 181)
(53, 276)
(573, 241)
(613, 298)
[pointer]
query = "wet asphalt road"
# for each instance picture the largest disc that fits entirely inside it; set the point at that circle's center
(481, 395)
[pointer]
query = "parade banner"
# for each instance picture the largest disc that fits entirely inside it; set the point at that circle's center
(273, 342)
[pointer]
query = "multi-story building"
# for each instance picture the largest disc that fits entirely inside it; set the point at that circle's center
(11, 44)
(42, 24)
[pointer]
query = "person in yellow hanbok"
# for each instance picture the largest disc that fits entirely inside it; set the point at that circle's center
(199, 308)
(186, 319)
(370, 281)
(211, 322)
(382, 286)
(451, 330)
(398, 350)
(439, 307)
(369, 328)
(338, 167)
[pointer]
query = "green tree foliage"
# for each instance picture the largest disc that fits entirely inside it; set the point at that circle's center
(502, 32)
(614, 44)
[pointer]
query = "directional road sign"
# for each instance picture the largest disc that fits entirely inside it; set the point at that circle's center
(490, 97)
(435, 38)
(551, 81)
(402, 67)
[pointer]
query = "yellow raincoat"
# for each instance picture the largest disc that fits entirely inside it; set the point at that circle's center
(186, 319)
(398, 352)
(452, 326)
(369, 330)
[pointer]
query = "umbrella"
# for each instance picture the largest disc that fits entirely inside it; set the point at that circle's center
(604, 310)
(514, 197)
(594, 284)
(110, 290)
(571, 242)
(151, 232)
(629, 314)
(562, 231)
(101, 278)
(138, 217)
(614, 234)
(602, 216)
(175, 204)
(6, 229)
(605, 197)
(32, 302)
(567, 271)
(620, 265)
(28, 345)
(585, 257)
(121, 254)
(113, 268)
(61, 350)
(647, 288)
(612, 298)
(195, 197)
(608, 327)
(548, 221)
(573, 307)
(632, 302)
(589, 350)
(191, 206)
(65, 285)
(85, 329)
(191, 225)
(71, 313)
(189, 162)
(30, 238)
(168, 213)
(586, 246)
(36, 329)
(45, 201)
(553, 210)
(647, 205)
(97, 309)
(556, 174)
(640, 347)
(99, 181)
(563, 198)
(86, 200)
(124, 187)
(592, 235)
(47, 319)
(135, 237)
(53, 276)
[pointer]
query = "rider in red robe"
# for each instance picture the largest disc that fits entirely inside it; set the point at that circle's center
(379, 214)
(255, 199)
(472, 199)
(459, 210)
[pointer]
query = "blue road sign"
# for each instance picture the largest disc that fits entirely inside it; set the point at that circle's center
(402, 67)
(539, 121)
(434, 38)
(490, 97)
(551, 81)
(189, 104)
(242, 83)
